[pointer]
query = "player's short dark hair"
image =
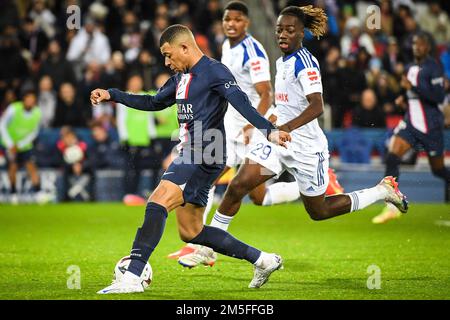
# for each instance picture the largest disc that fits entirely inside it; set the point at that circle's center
(171, 32)
(238, 6)
(28, 92)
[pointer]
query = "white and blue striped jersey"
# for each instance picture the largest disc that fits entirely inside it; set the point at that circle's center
(298, 75)
(249, 64)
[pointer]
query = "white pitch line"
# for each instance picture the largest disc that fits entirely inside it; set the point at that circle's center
(443, 223)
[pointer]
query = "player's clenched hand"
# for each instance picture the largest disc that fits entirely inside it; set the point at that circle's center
(279, 137)
(99, 95)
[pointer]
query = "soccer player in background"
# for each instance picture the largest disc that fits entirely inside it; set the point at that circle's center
(298, 96)
(201, 88)
(423, 124)
(19, 127)
(248, 62)
(135, 129)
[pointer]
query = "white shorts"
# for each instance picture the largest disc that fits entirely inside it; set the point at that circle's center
(236, 150)
(310, 169)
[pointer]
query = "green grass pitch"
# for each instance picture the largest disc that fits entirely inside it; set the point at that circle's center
(323, 260)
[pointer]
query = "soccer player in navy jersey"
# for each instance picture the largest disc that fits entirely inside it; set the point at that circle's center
(202, 88)
(423, 125)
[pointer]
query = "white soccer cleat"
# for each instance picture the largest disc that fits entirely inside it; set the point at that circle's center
(14, 199)
(394, 195)
(42, 197)
(201, 256)
(262, 274)
(125, 286)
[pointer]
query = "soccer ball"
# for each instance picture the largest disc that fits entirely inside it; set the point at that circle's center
(122, 266)
(73, 154)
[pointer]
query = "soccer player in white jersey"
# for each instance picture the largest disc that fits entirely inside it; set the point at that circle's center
(249, 63)
(298, 97)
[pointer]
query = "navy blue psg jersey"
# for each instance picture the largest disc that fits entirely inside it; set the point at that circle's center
(426, 94)
(201, 95)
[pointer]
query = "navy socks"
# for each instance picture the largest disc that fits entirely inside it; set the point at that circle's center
(147, 237)
(223, 242)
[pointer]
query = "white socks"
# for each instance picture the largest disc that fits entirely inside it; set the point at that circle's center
(281, 192)
(209, 204)
(221, 221)
(363, 198)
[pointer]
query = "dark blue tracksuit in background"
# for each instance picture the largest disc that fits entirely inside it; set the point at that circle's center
(202, 97)
(423, 124)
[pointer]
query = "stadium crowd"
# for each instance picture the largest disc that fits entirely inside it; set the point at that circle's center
(117, 45)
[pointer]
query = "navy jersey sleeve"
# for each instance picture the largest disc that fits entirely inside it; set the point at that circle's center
(430, 84)
(223, 82)
(165, 97)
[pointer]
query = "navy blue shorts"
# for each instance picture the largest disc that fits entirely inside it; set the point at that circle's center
(432, 142)
(194, 179)
(22, 157)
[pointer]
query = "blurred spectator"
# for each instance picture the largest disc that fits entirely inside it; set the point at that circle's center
(89, 45)
(369, 114)
(43, 18)
(19, 127)
(8, 98)
(373, 71)
(73, 154)
(354, 39)
(166, 137)
(206, 16)
(10, 14)
(331, 77)
(13, 67)
(436, 21)
(131, 37)
(354, 82)
(216, 39)
(47, 101)
(101, 151)
(387, 18)
(386, 96)
(136, 128)
(151, 40)
(33, 39)
(115, 71)
(70, 111)
(392, 55)
(147, 66)
(56, 66)
(114, 23)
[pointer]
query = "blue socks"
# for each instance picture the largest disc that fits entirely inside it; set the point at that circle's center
(223, 242)
(147, 237)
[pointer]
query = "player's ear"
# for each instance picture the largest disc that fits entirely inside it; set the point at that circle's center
(184, 48)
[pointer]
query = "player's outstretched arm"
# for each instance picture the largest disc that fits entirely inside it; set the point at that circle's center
(163, 99)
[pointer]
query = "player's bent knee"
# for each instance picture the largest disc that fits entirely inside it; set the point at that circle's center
(316, 214)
